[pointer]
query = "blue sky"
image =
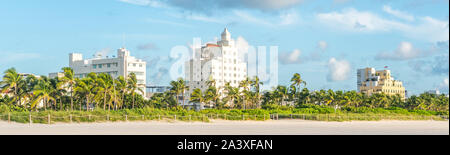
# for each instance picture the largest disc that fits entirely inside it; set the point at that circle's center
(325, 41)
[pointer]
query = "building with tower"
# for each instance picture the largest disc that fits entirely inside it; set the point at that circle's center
(220, 62)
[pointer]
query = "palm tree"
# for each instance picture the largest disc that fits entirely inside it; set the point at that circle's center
(176, 89)
(183, 87)
(84, 87)
(69, 80)
(304, 96)
(27, 86)
(179, 87)
(121, 86)
(297, 81)
(59, 91)
(232, 94)
(133, 87)
(212, 95)
(330, 97)
(245, 84)
(11, 82)
(256, 84)
(281, 93)
(211, 82)
(197, 96)
(105, 88)
(43, 92)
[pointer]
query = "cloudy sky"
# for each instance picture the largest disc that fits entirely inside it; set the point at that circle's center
(325, 41)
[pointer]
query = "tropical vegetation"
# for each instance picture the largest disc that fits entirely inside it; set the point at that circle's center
(100, 93)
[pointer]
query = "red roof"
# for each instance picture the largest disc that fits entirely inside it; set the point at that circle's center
(212, 45)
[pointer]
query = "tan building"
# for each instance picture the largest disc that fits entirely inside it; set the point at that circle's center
(371, 81)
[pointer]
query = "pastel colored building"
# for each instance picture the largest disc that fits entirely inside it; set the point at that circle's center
(371, 81)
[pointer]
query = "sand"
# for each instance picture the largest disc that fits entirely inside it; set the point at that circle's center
(221, 127)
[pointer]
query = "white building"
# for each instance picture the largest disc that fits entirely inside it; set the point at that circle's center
(123, 65)
(220, 62)
(56, 75)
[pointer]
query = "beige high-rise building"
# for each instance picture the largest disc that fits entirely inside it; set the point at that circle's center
(371, 81)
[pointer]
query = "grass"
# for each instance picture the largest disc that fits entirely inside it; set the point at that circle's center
(308, 112)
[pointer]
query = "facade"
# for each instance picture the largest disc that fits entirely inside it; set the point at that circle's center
(371, 81)
(123, 65)
(55, 75)
(25, 75)
(220, 62)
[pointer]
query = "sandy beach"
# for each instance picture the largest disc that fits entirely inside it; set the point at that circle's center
(221, 127)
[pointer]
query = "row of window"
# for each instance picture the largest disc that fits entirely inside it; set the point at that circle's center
(114, 73)
(391, 91)
(134, 64)
(228, 68)
(137, 73)
(225, 52)
(107, 65)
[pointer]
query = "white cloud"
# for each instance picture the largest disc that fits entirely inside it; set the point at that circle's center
(291, 57)
(284, 19)
(204, 19)
(242, 46)
(152, 3)
(444, 86)
(404, 51)
(212, 5)
(397, 13)
(297, 56)
(351, 18)
(289, 18)
(426, 28)
(429, 29)
(338, 70)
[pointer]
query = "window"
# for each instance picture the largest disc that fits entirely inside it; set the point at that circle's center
(100, 66)
(94, 66)
(108, 65)
(140, 65)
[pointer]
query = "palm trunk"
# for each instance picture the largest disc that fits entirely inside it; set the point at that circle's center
(104, 101)
(45, 104)
(123, 100)
(132, 106)
(183, 99)
(87, 103)
(71, 98)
